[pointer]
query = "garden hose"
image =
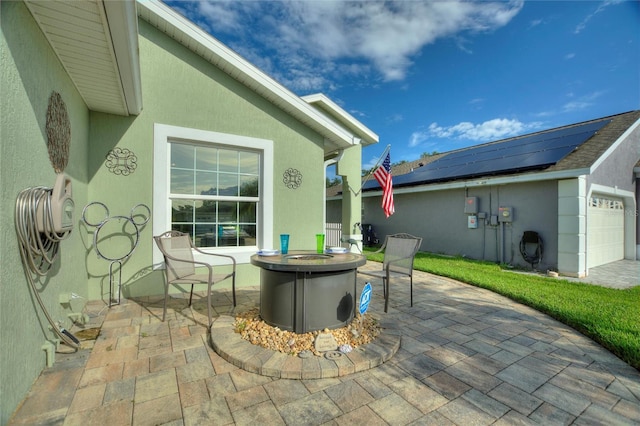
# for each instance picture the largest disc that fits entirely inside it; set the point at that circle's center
(531, 237)
(39, 248)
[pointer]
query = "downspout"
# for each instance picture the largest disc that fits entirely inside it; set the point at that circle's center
(328, 163)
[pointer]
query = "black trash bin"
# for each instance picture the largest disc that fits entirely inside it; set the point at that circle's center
(369, 237)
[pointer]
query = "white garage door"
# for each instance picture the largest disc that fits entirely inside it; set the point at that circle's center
(605, 230)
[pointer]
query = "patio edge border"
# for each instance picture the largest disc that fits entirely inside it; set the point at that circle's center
(256, 359)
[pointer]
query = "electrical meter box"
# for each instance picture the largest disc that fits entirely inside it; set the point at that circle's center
(471, 205)
(505, 214)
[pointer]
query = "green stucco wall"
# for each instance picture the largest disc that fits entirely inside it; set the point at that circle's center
(180, 88)
(30, 72)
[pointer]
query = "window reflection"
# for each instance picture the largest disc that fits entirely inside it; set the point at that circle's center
(182, 181)
(206, 158)
(228, 160)
(249, 163)
(182, 156)
(206, 183)
(228, 184)
(249, 186)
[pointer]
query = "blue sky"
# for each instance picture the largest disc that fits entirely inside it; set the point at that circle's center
(440, 75)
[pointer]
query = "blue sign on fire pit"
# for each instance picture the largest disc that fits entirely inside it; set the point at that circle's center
(365, 298)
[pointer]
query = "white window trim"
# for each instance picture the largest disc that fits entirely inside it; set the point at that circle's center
(162, 135)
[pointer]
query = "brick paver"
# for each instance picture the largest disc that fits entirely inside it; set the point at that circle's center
(465, 356)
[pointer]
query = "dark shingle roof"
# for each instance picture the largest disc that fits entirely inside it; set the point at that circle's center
(592, 149)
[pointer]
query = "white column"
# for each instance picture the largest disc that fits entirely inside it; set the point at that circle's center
(572, 227)
(349, 168)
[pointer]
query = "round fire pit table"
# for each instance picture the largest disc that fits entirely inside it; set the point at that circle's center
(306, 291)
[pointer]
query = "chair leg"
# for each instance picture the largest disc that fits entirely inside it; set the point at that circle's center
(166, 297)
(385, 286)
(209, 305)
(411, 280)
(233, 289)
(191, 295)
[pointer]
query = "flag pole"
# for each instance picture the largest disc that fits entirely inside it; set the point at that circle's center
(384, 154)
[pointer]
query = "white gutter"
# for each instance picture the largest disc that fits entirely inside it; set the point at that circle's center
(503, 180)
(123, 29)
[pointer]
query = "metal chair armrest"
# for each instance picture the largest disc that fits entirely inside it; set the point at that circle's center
(233, 260)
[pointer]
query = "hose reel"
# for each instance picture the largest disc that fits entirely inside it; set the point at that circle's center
(531, 248)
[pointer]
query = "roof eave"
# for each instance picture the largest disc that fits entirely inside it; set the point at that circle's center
(334, 111)
(111, 84)
(123, 30)
(615, 145)
(484, 181)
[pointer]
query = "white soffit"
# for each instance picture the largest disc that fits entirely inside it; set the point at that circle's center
(185, 32)
(97, 44)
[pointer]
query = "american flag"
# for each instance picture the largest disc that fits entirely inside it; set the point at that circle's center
(383, 176)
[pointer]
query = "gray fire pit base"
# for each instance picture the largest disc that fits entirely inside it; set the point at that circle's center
(307, 301)
(305, 291)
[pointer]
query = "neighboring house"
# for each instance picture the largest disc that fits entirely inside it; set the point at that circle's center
(160, 115)
(576, 186)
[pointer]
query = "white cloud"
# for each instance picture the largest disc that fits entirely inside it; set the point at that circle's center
(545, 114)
(574, 103)
(582, 102)
(219, 16)
(417, 138)
(320, 37)
(575, 106)
(394, 118)
(535, 23)
(601, 7)
(357, 113)
(491, 130)
(372, 162)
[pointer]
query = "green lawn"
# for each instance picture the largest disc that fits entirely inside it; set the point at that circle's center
(610, 317)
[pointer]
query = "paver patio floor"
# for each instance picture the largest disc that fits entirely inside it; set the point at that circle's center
(467, 356)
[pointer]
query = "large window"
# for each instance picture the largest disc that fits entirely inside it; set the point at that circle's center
(214, 194)
(216, 187)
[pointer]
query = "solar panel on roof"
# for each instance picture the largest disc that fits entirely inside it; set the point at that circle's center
(529, 152)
